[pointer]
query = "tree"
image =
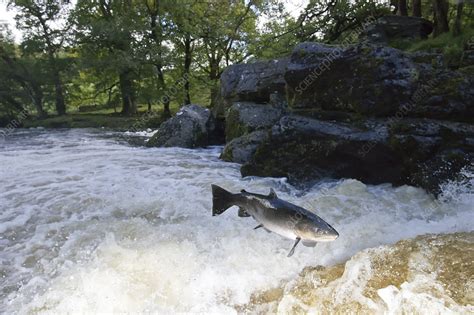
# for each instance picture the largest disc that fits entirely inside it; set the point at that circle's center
(457, 22)
(402, 8)
(105, 33)
(441, 24)
(416, 8)
(38, 20)
(330, 20)
(155, 20)
(184, 34)
(226, 29)
(18, 77)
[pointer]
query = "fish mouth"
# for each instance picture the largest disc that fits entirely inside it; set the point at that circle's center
(329, 237)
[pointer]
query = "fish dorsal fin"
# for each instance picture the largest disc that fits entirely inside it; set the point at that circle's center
(243, 191)
(272, 194)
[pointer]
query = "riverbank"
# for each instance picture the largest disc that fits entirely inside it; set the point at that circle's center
(101, 119)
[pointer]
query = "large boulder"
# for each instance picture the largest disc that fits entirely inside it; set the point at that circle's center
(305, 149)
(241, 149)
(373, 151)
(432, 151)
(190, 128)
(448, 95)
(253, 81)
(392, 27)
(366, 79)
(245, 117)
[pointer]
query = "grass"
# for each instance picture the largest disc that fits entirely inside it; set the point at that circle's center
(443, 41)
(105, 117)
(450, 46)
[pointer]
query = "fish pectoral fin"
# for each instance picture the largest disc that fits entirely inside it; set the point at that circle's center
(292, 251)
(258, 226)
(242, 213)
(309, 243)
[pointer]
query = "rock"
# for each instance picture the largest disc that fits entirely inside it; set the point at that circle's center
(253, 81)
(467, 58)
(240, 150)
(390, 278)
(305, 149)
(371, 112)
(448, 95)
(373, 151)
(391, 27)
(432, 151)
(245, 117)
(366, 79)
(190, 128)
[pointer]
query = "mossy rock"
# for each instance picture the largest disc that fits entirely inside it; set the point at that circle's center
(244, 117)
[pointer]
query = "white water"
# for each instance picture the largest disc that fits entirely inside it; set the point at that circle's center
(89, 223)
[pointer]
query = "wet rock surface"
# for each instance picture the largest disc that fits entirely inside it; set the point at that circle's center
(245, 117)
(241, 149)
(402, 277)
(254, 81)
(419, 152)
(191, 127)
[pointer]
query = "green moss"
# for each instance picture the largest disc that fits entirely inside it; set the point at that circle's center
(401, 43)
(233, 127)
(448, 86)
(450, 46)
(469, 70)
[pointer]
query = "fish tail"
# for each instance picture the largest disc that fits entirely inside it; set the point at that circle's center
(221, 200)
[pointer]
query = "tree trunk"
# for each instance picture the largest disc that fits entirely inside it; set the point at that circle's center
(58, 87)
(187, 67)
(402, 8)
(162, 87)
(440, 8)
(128, 95)
(214, 77)
(457, 22)
(417, 8)
(37, 97)
(155, 27)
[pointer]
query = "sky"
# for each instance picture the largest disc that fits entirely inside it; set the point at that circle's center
(7, 16)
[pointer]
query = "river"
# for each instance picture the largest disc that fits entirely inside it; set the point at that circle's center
(91, 222)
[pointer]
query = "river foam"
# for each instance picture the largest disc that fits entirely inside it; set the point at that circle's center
(91, 224)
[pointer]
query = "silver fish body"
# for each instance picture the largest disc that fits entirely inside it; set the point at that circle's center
(276, 215)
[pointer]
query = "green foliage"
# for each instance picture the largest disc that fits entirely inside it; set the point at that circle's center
(450, 46)
(130, 56)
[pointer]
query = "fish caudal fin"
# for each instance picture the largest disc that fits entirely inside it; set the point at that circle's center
(221, 200)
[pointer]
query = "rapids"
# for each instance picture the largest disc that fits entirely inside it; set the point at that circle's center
(92, 223)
